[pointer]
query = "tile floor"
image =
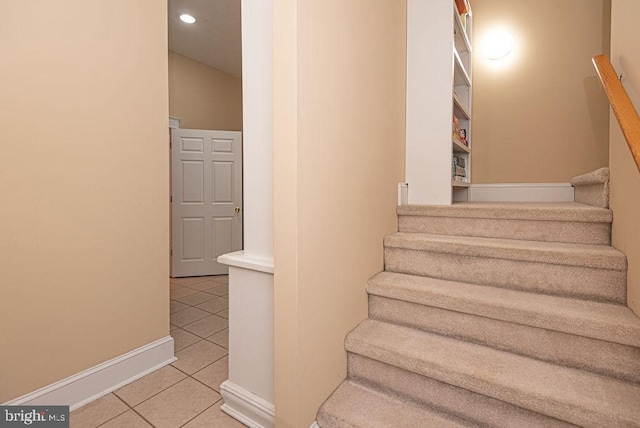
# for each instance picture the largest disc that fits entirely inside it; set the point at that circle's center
(187, 392)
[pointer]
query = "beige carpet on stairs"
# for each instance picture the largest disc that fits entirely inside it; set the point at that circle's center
(592, 188)
(496, 315)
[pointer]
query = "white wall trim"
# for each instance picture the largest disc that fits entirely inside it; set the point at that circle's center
(247, 407)
(97, 381)
(403, 193)
(315, 425)
(242, 260)
(174, 122)
(521, 192)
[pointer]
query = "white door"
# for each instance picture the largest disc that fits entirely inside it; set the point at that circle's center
(206, 199)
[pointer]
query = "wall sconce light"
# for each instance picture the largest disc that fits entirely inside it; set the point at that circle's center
(497, 44)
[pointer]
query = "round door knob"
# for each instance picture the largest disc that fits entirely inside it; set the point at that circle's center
(237, 210)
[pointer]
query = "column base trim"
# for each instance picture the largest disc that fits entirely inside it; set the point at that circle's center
(247, 407)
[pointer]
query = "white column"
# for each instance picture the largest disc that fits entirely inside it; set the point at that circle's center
(249, 391)
(257, 105)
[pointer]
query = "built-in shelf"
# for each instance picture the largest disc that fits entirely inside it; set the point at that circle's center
(461, 39)
(459, 146)
(460, 76)
(462, 59)
(459, 109)
(439, 102)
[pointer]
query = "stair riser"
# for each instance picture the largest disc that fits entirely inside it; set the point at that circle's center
(572, 281)
(459, 402)
(596, 194)
(509, 378)
(354, 404)
(548, 231)
(597, 356)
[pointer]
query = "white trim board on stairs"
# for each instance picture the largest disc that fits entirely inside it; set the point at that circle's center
(97, 381)
(521, 192)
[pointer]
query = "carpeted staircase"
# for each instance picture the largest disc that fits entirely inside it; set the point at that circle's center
(501, 315)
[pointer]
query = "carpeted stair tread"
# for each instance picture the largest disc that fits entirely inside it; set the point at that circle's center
(478, 409)
(562, 211)
(571, 395)
(584, 255)
(598, 176)
(353, 405)
(553, 222)
(603, 321)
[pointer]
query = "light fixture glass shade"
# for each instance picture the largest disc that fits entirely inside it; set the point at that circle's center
(187, 18)
(497, 44)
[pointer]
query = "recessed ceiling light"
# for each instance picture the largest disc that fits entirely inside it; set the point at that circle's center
(187, 18)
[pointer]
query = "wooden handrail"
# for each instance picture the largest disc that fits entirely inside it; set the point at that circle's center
(622, 106)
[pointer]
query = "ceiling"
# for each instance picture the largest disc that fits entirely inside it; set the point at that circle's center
(215, 38)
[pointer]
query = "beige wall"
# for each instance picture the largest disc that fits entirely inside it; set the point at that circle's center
(539, 114)
(339, 155)
(84, 183)
(625, 178)
(203, 97)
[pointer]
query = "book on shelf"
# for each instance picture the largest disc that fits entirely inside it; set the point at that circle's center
(459, 134)
(464, 9)
(463, 6)
(459, 170)
(459, 161)
(456, 128)
(463, 136)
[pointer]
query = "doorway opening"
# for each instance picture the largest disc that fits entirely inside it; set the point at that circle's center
(205, 96)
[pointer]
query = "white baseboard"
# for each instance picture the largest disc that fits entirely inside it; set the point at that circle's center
(247, 407)
(521, 192)
(97, 381)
